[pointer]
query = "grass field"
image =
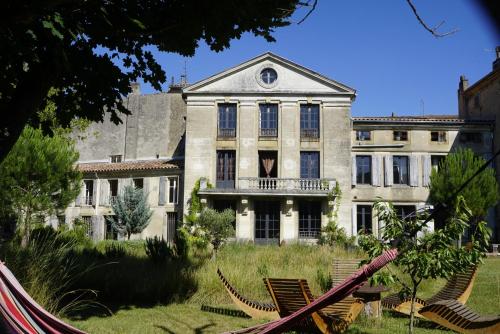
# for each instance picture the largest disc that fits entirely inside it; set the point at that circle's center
(245, 265)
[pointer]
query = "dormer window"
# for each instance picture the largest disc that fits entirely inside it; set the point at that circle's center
(116, 158)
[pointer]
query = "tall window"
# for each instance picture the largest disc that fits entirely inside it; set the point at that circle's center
(138, 183)
(436, 160)
(363, 135)
(363, 169)
(364, 218)
(111, 233)
(226, 169)
(309, 121)
(87, 224)
(309, 219)
(404, 211)
(173, 191)
(400, 135)
(268, 120)
(400, 169)
(113, 190)
(89, 192)
(309, 165)
(227, 120)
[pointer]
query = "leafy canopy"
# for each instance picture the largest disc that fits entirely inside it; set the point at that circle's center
(38, 176)
(132, 212)
(90, 51)
(216, 225)
(480, 194)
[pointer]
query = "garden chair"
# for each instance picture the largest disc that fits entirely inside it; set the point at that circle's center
(254, 309)
(458, 287)
(343, 268)
(336, 294)
(21, 314)
(290, 295)
(456, 316)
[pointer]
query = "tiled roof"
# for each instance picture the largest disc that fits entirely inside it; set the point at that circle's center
(137, 165)
(419, 119)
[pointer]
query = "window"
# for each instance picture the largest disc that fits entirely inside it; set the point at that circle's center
(309, 165)
(471, 137)
(400, 169)
(227, 120)
(268, 76)
(400, 135)
(171, 226)
(116, 158)
(87, 224)
(309, 121)
(364, 218)
(89, 192)
(268, 120)
(405, 211)
(226, 169)
(436, 161)
(111, 233)
(113, 190)
(173, 190)
(363, 135)
(309, 219)
(363, 169)
(138, 183)
(438, 136)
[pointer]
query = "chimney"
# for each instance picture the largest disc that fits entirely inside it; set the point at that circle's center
(496, 62)
(136, 88)
(463, 84)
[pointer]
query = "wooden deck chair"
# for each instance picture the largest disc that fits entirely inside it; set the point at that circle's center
(343, 268)
(255, 309)
(290, 295)
(454, 315)
(458, 287)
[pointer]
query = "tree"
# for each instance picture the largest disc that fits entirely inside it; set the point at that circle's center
(132, 212)
(424, 254)
(90, 51)
(217, 226)
(480, 194)
(38, 177)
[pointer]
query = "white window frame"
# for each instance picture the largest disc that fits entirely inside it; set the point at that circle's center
(175, 181)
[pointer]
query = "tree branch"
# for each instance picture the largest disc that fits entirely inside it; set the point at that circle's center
(308, 4)
(433, 31)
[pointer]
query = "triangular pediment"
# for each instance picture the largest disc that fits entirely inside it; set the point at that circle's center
(291, 79)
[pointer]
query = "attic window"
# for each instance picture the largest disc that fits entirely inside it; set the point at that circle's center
(116, 158)
(268, 76)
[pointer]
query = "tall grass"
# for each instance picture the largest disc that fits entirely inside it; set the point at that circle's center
(245, 265)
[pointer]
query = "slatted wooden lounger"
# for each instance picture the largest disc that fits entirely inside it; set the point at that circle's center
(454, 315)
(457, 288)
(342, 268)
(254, 309)
(290, 295)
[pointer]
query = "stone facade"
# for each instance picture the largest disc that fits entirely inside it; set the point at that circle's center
(272, 140)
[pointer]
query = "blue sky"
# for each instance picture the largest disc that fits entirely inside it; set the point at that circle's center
(376, 47)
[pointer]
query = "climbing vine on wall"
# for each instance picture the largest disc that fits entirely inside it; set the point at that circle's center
(332, 234)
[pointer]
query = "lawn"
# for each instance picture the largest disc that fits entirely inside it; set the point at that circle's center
(245, 265)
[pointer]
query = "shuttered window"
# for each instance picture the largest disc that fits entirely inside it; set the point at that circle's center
(400, 170)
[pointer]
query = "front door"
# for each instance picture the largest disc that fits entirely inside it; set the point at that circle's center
(267, 222)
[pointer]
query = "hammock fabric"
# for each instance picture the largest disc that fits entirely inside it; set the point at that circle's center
(337, 293)
(22, 314)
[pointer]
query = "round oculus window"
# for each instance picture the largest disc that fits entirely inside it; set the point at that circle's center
(268, 76)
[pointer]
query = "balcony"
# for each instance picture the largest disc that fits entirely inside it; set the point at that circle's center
(226, 133)
(309, 134)
(268, 132)
(273, 186)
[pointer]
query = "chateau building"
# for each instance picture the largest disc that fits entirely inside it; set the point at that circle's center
(276, 142)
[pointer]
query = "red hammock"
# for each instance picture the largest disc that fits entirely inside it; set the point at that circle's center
(336, 294)
(22, 314)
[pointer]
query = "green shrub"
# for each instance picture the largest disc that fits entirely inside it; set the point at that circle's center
(114, 250)
(157, 249)
(324, 280)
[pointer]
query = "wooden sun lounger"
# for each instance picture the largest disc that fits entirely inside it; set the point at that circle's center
(255, 309)
(454, 315)
(343, 268)
(458, 288)
(290, 295)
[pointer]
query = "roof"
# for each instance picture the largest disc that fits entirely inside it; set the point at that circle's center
(433, 119)
(138, 165)
(267, 56)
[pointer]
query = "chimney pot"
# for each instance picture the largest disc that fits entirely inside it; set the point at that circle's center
(496, 62)
(464, 83)
(136, 88)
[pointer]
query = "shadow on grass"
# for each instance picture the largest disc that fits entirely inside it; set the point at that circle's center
(225, 311)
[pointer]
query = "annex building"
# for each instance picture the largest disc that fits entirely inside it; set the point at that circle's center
(276, 142)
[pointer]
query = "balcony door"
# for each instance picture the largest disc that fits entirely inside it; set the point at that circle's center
(226, 167)
(267, 222)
